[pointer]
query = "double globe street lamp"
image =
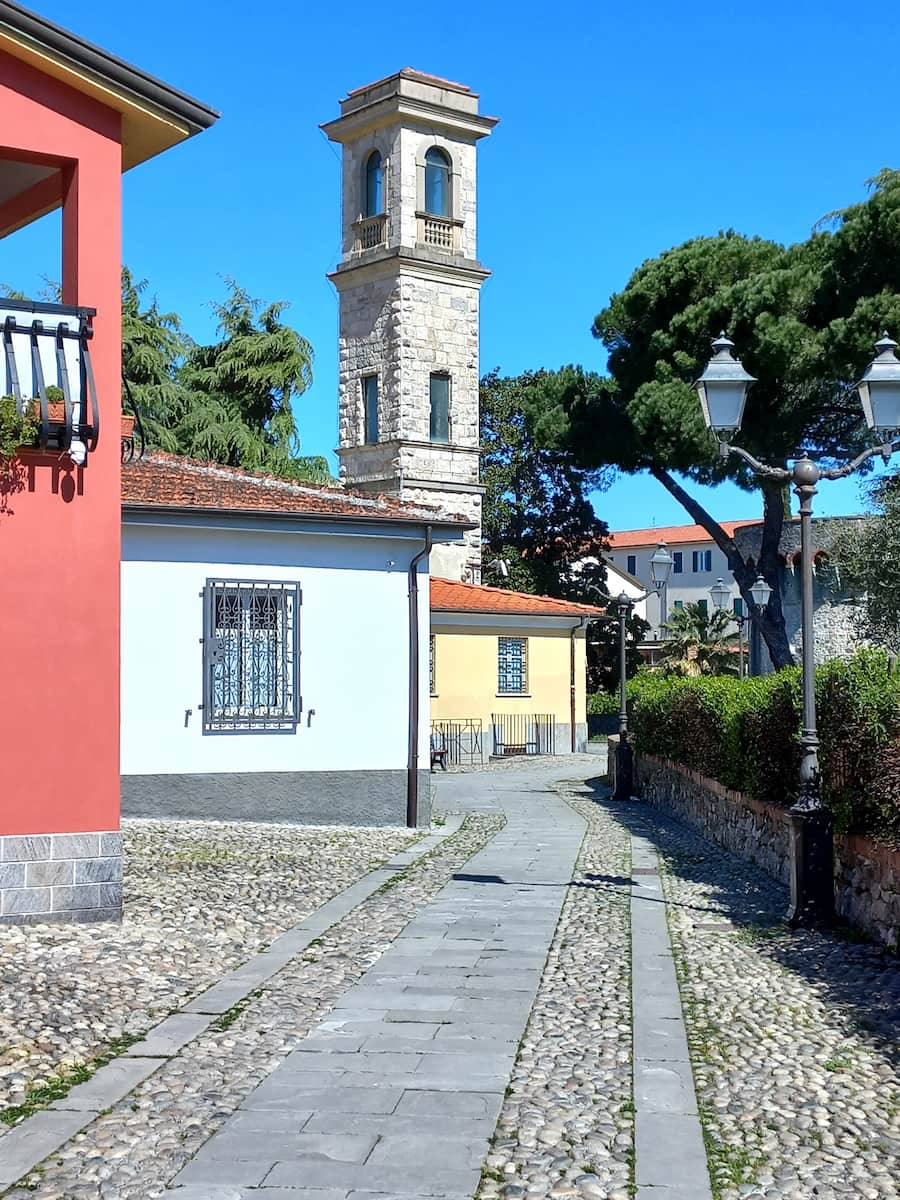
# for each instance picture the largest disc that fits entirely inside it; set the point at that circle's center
(722, 389)
(661, 562)
(720, 594)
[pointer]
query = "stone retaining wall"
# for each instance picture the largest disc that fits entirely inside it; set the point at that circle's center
(866, 874)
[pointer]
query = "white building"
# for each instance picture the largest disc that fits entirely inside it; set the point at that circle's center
(698, 564)
(268, 633)
(409, 282)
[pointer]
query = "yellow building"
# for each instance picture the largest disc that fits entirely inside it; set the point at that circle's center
(507, 672)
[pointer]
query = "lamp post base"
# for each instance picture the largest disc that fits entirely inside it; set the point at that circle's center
(812, 868)
(624, 769)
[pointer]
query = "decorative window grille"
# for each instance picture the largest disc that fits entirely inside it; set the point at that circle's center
(512, 666)
(439, 394)
(370, 405)
(251, 656)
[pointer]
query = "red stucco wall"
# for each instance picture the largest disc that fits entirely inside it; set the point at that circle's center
(59, 534)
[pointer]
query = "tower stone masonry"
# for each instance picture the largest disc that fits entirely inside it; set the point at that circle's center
(409, 282)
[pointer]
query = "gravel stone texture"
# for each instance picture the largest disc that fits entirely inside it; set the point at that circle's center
(133, 1151)
(200, 898)
(566, 1128)
(794, 1036)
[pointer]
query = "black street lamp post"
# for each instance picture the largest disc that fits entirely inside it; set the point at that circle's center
(660, 565)
(722, 389)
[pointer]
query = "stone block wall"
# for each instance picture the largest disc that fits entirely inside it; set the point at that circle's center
(61, 877)
(866, 874)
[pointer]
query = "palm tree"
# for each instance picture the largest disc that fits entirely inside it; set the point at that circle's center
(697, 643)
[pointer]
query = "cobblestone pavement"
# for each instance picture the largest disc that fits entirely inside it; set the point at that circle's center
(566, 1126)
(132, 1151)
(794, 1037)
(200, 898)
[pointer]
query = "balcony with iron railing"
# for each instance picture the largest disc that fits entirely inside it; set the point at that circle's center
(47, 384)
(47, 374)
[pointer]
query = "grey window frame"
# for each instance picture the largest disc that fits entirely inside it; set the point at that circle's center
(372, 377)
(283, 716)
(510, 691)
(442, 375)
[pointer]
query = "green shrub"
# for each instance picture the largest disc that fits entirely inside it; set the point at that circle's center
(603, 704)
(746, 734)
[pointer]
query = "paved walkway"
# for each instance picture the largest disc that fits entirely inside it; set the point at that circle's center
(400, 1088)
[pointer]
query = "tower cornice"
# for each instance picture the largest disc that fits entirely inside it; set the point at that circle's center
(395, 260)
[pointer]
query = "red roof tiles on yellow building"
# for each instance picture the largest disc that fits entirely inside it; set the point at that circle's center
(448, 596)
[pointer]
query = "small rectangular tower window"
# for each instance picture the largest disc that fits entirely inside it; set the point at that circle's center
(439, 388)
(370, 406)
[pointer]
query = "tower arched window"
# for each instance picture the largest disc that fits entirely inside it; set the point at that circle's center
(437, 182)
(374, 185)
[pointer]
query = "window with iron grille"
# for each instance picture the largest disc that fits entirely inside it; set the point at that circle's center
(251, 655)
(512, 665)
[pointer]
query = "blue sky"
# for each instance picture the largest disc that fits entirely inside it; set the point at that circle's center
(625, 129)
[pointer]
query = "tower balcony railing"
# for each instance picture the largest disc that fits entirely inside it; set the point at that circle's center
(47, 370)
(438, 232)
(370, 232)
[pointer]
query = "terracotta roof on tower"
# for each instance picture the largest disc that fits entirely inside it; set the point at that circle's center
(168, 481)
(449, 596)
(672, 535)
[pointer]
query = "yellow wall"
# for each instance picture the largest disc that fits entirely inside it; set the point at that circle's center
(465, 669)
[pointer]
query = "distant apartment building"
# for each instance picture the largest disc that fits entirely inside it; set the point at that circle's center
(698, 563)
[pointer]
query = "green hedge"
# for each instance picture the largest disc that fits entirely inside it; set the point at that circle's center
(746, 734)
(606, 704)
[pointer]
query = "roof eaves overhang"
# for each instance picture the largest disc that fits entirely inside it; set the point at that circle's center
(289, 522)
(155, 114)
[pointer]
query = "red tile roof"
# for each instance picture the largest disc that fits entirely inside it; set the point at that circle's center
(448, 596)
(170, 481)
(672, 535)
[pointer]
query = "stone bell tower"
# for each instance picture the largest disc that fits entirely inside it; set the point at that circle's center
(409, 283)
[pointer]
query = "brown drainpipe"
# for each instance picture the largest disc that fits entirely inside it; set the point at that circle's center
(412, 769)
(582, 624)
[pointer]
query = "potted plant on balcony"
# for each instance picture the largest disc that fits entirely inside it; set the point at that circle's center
(17, 428)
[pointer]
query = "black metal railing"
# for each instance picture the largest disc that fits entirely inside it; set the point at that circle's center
(523, 733)
(47, 367)
(462, 739)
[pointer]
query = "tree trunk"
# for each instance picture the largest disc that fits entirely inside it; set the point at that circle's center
(771, 621)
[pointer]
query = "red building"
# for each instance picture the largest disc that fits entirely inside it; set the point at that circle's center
(72, 119)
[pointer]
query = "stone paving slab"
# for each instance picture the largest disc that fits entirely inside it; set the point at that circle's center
(668, 1140)
(34, 1139)
(108, 1085)
(405, 1078)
